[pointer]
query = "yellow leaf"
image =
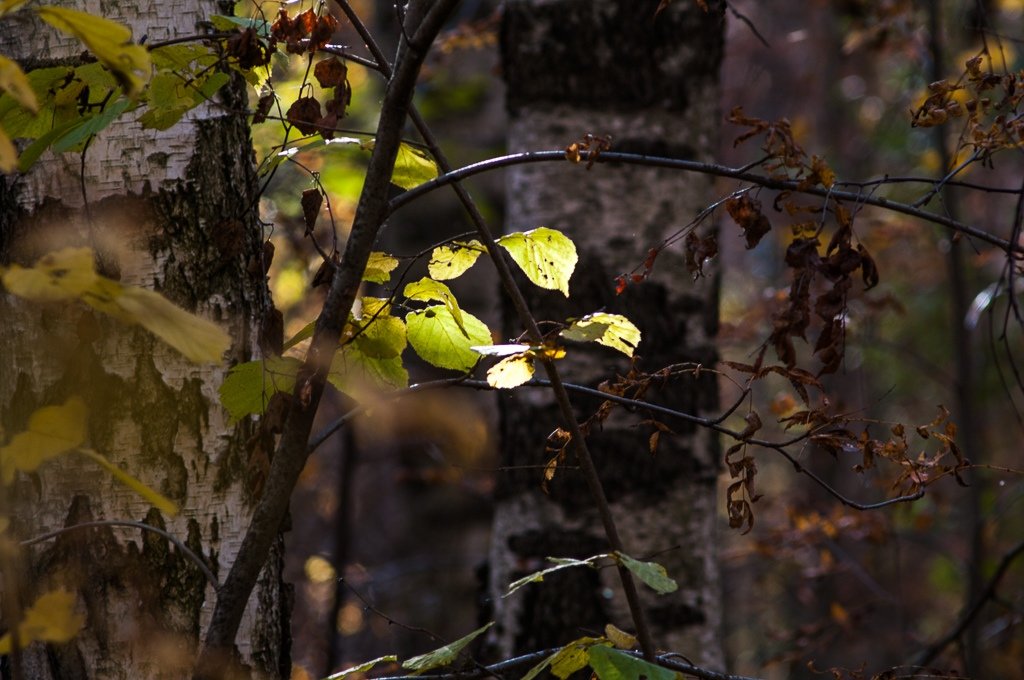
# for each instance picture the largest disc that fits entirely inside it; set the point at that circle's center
(620, 638)
(71, 273)
(200, 340)
(379, 267)
(8, 154)
(51, 619)
(158, 501)
(108, 40)
(610, 330)
(52, 430)
(546, 256)
(10, 6)
(60, 275)
(15, 83)
(452, 261)
(510, 372)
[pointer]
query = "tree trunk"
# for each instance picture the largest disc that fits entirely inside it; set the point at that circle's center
(174, 211)
(612, 67)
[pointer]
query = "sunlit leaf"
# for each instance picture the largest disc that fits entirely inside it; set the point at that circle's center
(651, 573)
(428, 290)
(362, 668)
(14, 82)
(437, 337)
(158, 501)
(510, 372)
(52, 430)
(373, 355)
(412, 167)
(199, 340)
(501, 350)
(51, 618)
(379, 267)
(109, 41)
(444, 655)
(566, 661)
(60, 275)
(546, 256)
(610, 330)
(248, 387)
(452, 261)
(611, 664)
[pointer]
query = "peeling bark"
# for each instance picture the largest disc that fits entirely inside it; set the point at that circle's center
(173, 211)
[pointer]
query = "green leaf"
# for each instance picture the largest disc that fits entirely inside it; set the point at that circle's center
(109, 41)
(248, 387)
(444, 655)
(226, 23)
(560, 563)
(90, 126)
(437, 337)
(304, 333)
(546, 256)
(651, 573)
(52, 430)
(428, 290)
(611, 664)
(379, 267)
(158, 501)
(412, 167)
(362, 668)
(452, 261)
(610, 330)
(374, 357)
(510, 372)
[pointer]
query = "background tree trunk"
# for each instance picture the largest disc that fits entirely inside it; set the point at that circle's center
(175, 211)
(611, 67)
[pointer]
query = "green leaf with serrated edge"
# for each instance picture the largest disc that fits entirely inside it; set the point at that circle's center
(428, 290)
(444, 655)
(412, 168)
(611, 664)
(510, 372)
(560, 563)
(651, 573)
(362, 668)
(379, 267)
(452, 261)
(438, 339)
(157, 500)
(109, 41)
(610, 330)
(546, 256)
(51, 431)
(248, 387)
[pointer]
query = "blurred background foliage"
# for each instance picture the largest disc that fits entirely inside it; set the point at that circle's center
(390, 523)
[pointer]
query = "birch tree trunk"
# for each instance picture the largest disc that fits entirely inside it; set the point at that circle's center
(174, 211)
(611, 67)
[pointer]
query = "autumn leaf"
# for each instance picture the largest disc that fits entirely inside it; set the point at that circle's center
(443, 656)
(610, 330)
(452, 261)
(547, 257)
(157, 500)
(510, 372)
(52, 430)
(440, 340)
(51, 618)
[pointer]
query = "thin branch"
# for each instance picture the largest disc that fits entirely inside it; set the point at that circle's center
(968, 616)
(178, 543)
(703, 168)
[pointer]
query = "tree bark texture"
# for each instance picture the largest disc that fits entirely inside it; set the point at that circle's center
(612, 67)
(175, 211)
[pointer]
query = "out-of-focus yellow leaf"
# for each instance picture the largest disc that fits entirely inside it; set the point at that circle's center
(109, 41)
(60, 275)
(8, 154)
(15, 83)
(51, 618)
(620, 638)
(158, 501)
(452, 261)
(10, 6)
(510, 372)
(52, 430)
(71, 273)
(200, 340)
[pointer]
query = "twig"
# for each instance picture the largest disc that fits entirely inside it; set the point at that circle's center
(703, 168)
(967, 617)
(178, 543)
